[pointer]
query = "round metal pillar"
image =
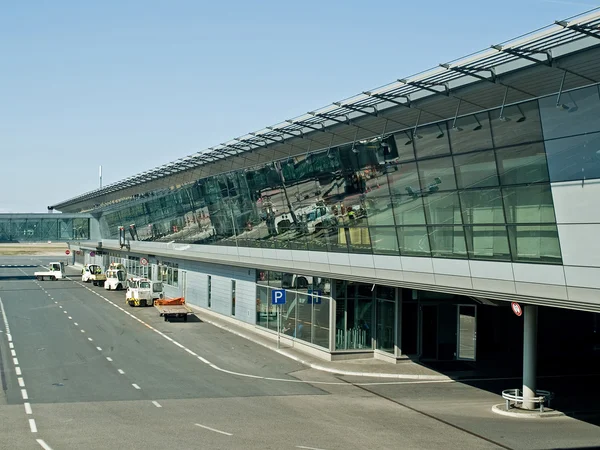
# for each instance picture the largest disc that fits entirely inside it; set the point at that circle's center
(530, 316)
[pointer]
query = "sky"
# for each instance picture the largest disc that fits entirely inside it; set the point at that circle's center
(133, 84)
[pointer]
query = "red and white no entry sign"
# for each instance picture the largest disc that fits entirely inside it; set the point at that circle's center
(516, 308)
(143, 261)
(67, 252)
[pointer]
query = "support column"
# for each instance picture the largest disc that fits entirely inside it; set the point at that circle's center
(530, 316)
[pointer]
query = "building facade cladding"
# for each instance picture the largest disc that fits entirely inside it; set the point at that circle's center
(478, 187)
(43, 227)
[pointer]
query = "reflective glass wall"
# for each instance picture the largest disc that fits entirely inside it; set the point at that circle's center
(42, 229)
(474, 187)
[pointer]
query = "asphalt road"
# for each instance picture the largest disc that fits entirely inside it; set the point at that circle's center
(81, 370)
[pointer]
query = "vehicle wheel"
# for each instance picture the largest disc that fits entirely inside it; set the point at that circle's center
(119, 287)
(39, 278)
(151, 302)
(107, 288)
(143, 303)
(130, 304)
(166, 318)
(185, 318)
(53, 278)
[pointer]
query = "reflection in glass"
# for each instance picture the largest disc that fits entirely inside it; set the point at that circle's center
(447, 242)
(413, 241)
(535, 243)
(574, 158)
(384, 240)
(467, 328)
(529, 204)
(385, 325)
(487, 242)
(409, 210)
(403, 179)
(442, 208)
(437, 175)
(432, 140)
(518, 124)
(476, 170)
(482, 206)
(471, 133)
(522, 164)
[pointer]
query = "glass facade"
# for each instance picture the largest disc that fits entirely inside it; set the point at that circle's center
(475, 187)
(42, 227)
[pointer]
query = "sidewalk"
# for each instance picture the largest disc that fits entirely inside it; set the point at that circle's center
(405, 370)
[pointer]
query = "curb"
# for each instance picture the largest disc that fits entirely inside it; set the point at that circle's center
(397, 376)
(523, 414)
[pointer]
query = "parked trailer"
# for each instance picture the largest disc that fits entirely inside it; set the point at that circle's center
(173, 307)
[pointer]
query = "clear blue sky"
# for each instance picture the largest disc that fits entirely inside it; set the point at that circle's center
(134, 84)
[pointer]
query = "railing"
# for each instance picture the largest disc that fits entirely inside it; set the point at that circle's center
(516, 397)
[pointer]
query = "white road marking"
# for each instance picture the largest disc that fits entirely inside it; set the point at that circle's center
(204, 360)
(76, 324)
(13, 353)
(65, 312)
(43, 444)
(212, 429)
(27, 406)
(99, 349)
(11, 345)
(190, 352)
(308, 448)
(90, 339)
(21, 382)
(83, 331)
(120, 371)
(108, 358)
(15, 361)
(135, 386)
(70, 318)
(60, 306)
(155, 403)
(18, 370)
(24, 394)
(9, 337)
(32, 425)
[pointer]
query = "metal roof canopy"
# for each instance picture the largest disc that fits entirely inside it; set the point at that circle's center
(355, 118)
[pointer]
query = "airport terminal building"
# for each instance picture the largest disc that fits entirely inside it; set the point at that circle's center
(401, 222)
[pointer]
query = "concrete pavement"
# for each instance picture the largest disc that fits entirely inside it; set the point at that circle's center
(203, 387)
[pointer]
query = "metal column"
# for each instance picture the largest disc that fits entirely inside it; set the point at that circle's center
(530, 316)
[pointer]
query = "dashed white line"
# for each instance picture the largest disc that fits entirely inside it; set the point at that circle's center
(18, 370)
(43, 444)
(83, 331)
(24, 394)
(76, 324)
(135, 386)
(213, 429)
(60, 306)
(9, 337)
(56, 303)
(27, 406)
(120, 371)
(70, 318)
(21, 382)
(32, 425)
(99, 349)
(108, 358)
(90, 339)
(15, 361)
(155, 403)
(308, 448)
(11, 345)
(13, 353)
(65, 312)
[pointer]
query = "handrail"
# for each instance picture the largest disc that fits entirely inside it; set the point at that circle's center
(516, 396)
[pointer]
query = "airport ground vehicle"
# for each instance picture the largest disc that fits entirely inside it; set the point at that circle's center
(116, 279)
(56, 271)
(93, 273)
(143, 292)
(173, 307)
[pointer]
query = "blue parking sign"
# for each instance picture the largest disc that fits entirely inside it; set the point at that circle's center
(314, 297)
(278, 297)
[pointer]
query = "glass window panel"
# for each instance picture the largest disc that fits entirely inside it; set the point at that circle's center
(447, 242)
(413, 241)
(432, 140)
(378, 206)
(487, 242)
(535, 243)
(574, 158)
(384, 240)
(578, 112)
(471, 133)
(476, 170)
(409, 210)
(320, 334)
(385, 325)
(482, 206)
(442, 208)
(520, 123)
(403, 178)
(523, 164)
(358, 239)
(437, 175)
(529, 204)
(404, 145)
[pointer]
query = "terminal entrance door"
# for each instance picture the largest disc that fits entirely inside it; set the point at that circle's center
(429, 332)
(466, 332)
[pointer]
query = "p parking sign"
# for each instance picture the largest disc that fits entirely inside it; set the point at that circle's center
(278, 297)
